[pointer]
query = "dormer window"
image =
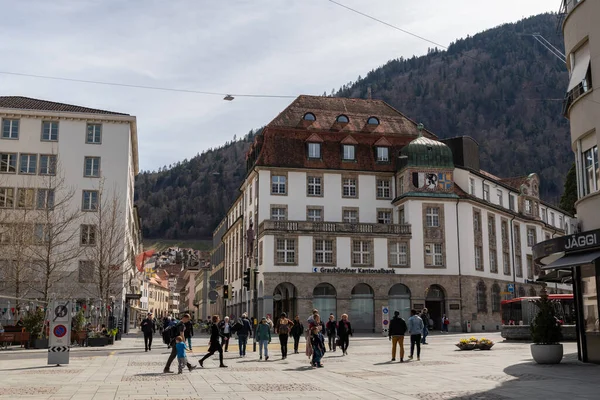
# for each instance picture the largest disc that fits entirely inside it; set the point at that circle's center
(349, 152)
(309, 117)
(314, 150)
(383, 154)
(373, 121)
(342, 119)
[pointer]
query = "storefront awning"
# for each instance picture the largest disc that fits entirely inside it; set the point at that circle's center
(557, 276)
(582, 63)
(574, 260)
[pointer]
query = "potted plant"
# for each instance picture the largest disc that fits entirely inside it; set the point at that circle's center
(97, 339)
(546, 332)
(112, 333)
(466, 344)
(33, 322)
(79, 334)
(485, 344)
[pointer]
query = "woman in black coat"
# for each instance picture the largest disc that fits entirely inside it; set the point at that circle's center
(215, 342)
(297, 331)
(344, 332)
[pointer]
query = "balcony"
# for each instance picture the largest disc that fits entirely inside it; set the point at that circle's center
(308, 227)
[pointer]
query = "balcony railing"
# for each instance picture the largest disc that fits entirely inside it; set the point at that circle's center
(334, 227)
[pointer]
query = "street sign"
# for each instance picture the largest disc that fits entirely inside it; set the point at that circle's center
(277, 297)
(60, 332)
(213, 295)
(511, 287)
(385, 320)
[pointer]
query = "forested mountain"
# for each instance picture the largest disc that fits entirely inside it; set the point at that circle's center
(500, 86)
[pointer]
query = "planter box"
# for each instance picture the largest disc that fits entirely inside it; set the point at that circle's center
(97, 342)
(547, 353)
(111, 340)
(40, 343)
(118, 336)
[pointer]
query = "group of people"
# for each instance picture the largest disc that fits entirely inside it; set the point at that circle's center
(418, 329)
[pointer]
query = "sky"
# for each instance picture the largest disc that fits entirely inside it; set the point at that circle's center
(266, 47)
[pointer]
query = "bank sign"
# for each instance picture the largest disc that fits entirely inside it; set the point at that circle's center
(330, 270)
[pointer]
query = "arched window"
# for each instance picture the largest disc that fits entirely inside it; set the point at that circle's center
(532, 292)
(495, 298)
(373, 121)
(309, 117)
(481, 297)
(342, 119)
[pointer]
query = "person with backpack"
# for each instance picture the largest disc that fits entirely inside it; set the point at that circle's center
(215, 343)
(396, 333)
(331, 329)
(148, 329)
(174, 331)
(297, 331)
(283, 329)
(243, 330)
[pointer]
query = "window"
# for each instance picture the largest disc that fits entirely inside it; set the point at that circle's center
(28, 164)
(504, 231)
(309, 117)
(591, 173)
(314, 187)
(472, 186)
(89, 200)
(285, 251)
(531, 237)
(350, 216)
(511, 202)
(481, 297)
(47, 165)
(373, 121)
(314, 214)
(41, 233)
(529, 267)
(432, 216)
(434, 255)
(250, 194)
(506, 263)
(349, 187)
(493, 263)
(50, 131)
(552, 218)
(384, 216)
(342, 119)
(528, 207)
(398, 254)
(7, 198)
(88, 235)
(401, 216)
(25, 197)
(401, 185)
(544, 215)
(518, 267)
(478, 258)
(10, 129)
(323, 251)
(94, 134)
(476, 221)
(383, 154)
(92, 167)
(496, 298)
(492, 229)
(361, 252)
(8, 162)
(486, 192)
(384, 189)
(314, 150)
(45, 199)
(278, 213)
(500, 200)
(86, 271)
(348, 152)
(278, 184)
(561, 225)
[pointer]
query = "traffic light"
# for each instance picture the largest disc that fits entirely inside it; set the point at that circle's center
(247, 278)
(226, 292)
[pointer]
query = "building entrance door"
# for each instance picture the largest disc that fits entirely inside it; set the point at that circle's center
(435, 303)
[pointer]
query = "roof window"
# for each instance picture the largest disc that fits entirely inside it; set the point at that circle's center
(342, 119)
(309, 117)
(373, 121)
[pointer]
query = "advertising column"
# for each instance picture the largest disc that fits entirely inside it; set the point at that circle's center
(60, 332)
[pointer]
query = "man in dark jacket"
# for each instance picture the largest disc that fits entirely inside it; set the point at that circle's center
(396, 334)
(188, 333)
(243, 330)
(331, 329)
(215, 343)
(148, 329)
(177, 330)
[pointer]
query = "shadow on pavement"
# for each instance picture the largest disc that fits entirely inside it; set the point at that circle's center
(31, 368)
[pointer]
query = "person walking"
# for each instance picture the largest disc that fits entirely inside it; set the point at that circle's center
(225, 328)
(445, 323)
(396, 333)
(283, 330)
(188, 333)
(148, 329)
(425, 319)
(344, 333)
(331, 329)
(175, 331)
(181, 356)
(263, 336)
(297, 331)
(215, 343)
(415, 328)
(244, 330)
(317, 342)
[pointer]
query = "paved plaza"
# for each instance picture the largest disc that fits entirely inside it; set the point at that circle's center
(125, 371)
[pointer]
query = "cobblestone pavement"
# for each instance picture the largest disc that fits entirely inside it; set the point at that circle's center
(444, 373)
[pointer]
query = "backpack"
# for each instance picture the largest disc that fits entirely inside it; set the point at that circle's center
(173, 331)
(283, 329)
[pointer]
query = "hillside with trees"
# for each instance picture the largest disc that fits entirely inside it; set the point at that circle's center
(500, 86)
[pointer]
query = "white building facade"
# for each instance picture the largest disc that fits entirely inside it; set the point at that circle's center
(349, 207)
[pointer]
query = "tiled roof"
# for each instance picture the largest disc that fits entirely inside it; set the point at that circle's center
(27, 103)
(515, 182)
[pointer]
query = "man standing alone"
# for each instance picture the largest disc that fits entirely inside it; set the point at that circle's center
(396, 334)
(415, 328)
(148, 329)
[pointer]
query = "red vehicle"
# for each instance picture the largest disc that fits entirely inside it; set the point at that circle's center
(522, 310)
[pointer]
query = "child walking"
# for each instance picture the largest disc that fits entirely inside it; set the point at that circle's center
(318, 345)
(181, 356)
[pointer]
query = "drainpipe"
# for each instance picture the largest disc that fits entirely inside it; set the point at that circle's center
(459, 266)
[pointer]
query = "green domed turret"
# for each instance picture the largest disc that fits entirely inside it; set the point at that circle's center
(428, 153)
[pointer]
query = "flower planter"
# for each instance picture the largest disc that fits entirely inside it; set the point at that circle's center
(97, 342)
(40, 343)
(482, 346)
(467, 346)
(111, 340)
(547, 353)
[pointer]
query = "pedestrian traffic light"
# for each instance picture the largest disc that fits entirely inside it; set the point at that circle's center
(247, 278)
(226, 292)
